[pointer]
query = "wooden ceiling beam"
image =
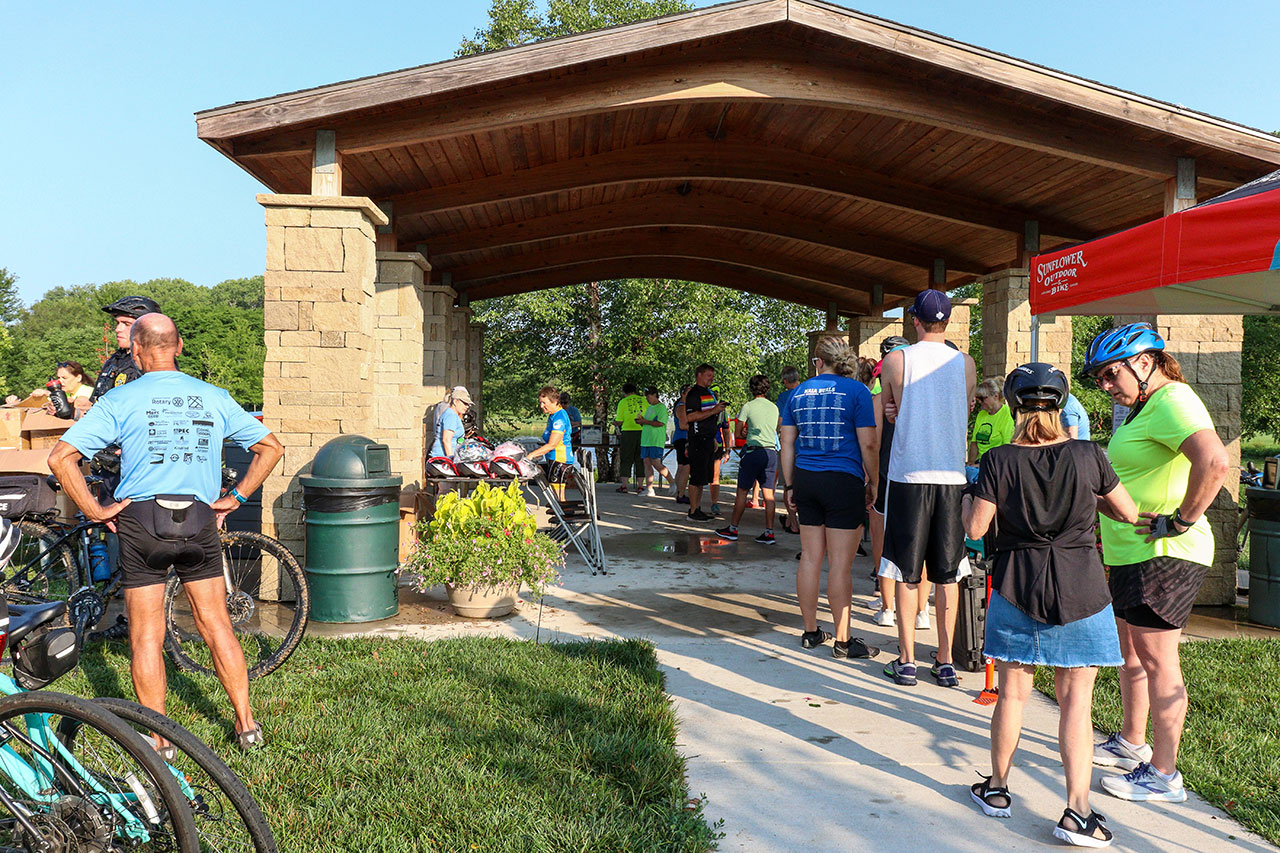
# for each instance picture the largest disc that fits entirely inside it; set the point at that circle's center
(692, 209)
(767, 77)
(669, 242)
(719, 273)
(705, 159)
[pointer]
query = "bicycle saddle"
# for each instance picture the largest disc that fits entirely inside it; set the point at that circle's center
(25, 618)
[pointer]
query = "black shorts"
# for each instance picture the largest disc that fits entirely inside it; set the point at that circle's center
(682, 450)
(835, 499)
(145, 559)
(702, 462)
(1156, 593)
(923, 527)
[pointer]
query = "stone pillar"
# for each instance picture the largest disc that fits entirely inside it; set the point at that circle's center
(1006, 326)
(319, 318)
(958, 325)
(867, 333)
(402, 399)
(1208, 349)
(437, 339)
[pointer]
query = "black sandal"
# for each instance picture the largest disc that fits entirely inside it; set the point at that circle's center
(995, 802)
(1085, 835)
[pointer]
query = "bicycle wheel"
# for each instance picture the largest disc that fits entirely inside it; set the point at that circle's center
(268, 601)
(227, 816)
(40, 572)
(105, 791)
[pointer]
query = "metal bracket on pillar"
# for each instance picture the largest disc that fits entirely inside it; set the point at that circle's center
(421, 249)
(939, 280)
(326, 168)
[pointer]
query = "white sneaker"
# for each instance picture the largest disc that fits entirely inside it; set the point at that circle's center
(650, 492)
(1115, 751)
(876, 603)
(922, 620)
(885, 619)
(1144, 784)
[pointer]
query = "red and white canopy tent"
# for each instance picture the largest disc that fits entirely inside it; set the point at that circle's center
(1219, 257)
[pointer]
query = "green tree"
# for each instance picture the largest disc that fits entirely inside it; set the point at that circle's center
(516, 22)
(10, 304)
(1260, 365)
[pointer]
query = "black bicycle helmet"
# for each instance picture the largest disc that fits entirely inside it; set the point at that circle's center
(1035, 387)
(132, 306)
(892, 343)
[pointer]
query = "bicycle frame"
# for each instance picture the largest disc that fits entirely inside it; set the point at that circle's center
(37, 782)
(80, 553)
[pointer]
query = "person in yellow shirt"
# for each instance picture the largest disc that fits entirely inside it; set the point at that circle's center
(992, 426)
(630, 462)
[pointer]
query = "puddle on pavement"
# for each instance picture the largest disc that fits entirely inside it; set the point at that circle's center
(651, 546)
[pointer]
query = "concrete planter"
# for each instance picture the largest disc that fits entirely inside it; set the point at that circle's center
(482, 602)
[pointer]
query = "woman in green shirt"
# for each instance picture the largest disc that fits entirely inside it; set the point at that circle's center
(1169, 457)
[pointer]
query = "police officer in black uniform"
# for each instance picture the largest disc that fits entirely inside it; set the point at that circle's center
(120, 368)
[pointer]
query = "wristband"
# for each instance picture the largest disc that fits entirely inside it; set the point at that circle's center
(1178, 519)
(788, 488)
(235, 493)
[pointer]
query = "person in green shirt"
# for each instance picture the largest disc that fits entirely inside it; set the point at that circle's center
(993, 425)
(758, 424)
(653, 441)
(630, 463)
(1170, 458)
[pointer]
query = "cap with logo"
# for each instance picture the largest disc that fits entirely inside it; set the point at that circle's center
(460, 393)
(931, 306)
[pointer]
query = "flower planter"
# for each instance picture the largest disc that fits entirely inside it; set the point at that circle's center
(477, 601)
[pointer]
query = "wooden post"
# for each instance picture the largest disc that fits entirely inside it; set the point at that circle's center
(326, 169)
(833, 318)
(1029, 246)
(939, 280)
(877, 300)
(1180, 190)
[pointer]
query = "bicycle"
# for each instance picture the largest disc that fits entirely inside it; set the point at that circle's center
(107, 791)
(56, 562)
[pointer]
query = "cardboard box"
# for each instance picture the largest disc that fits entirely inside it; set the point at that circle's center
(42, 430)
(11, 428)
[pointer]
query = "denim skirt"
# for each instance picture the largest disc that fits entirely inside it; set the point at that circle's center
(1015, 637)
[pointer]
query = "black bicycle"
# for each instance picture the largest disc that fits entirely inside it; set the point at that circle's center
(267, 592)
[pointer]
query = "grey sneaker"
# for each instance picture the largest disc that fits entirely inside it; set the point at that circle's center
(1113, 752)
(901, 672)
(1143, 784)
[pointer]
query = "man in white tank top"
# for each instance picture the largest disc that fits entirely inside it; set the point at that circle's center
(927, 387)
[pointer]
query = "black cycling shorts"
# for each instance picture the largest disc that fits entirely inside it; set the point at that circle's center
(682, 450)
(835, 499)
(146, 559)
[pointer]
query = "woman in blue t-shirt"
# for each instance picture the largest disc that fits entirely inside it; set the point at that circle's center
(557, 441)
(830, 463)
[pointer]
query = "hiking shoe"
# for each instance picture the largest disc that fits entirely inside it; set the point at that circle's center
(901, 673)
(1081, 831)
(813, 639)
(922, 620)
(766, 538)
(945, 675)
(854, 647)
(1115, 751)
(994, 802)
(682, 499)
(730, 533)
(699, 515)
(885, 619)
(1146, 784)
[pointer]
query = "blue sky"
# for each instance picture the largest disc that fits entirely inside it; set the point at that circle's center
(104, 178)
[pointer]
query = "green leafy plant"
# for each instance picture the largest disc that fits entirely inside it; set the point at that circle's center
(489, 539)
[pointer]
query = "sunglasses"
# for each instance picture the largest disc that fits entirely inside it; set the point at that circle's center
(1108, 374)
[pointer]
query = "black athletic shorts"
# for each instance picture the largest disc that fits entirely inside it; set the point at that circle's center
(146, 559)
(682, 450)
(835, 499)
(923, 527)
(702, 461)
(1156, 593)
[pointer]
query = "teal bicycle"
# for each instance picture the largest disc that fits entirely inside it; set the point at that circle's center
(105, 791)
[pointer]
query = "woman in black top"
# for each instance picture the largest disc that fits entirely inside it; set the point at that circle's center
(1049, 601)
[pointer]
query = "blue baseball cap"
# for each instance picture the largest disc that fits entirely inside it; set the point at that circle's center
(931, 306)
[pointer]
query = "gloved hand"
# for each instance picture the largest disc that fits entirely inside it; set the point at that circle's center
(1159, 526)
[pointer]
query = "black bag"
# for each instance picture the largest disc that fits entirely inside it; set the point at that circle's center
(971, 618)
(25, 494)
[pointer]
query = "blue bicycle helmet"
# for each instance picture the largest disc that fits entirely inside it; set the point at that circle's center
(1117, 344)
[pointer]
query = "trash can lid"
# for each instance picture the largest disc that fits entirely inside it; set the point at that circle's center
(352, 461)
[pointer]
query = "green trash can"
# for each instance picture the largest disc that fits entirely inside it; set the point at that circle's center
(1264, 555)
(351, 504)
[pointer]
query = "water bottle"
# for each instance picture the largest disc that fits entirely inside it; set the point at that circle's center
(62, 407)
(99, 560)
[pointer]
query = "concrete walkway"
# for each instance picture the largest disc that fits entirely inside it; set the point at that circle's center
(795, 750)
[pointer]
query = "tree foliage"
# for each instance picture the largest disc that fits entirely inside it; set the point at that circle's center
(1260, 366)
(516, 22)
(221, 327)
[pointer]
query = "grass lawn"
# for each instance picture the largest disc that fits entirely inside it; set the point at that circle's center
(454, 745)
(1230, 751)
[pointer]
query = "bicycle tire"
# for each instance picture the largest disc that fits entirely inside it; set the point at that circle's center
(74, 816)
(247, 555)
(55, 580)
(197, 760)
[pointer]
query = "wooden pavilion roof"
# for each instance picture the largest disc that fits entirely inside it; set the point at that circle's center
(791, 148)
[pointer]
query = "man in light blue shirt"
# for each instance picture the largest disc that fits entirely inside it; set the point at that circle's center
(170, 428)
(1075, 420)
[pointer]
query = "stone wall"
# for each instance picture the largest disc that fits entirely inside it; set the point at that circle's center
(1208, 349)
(319, 318)
(402, 394)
